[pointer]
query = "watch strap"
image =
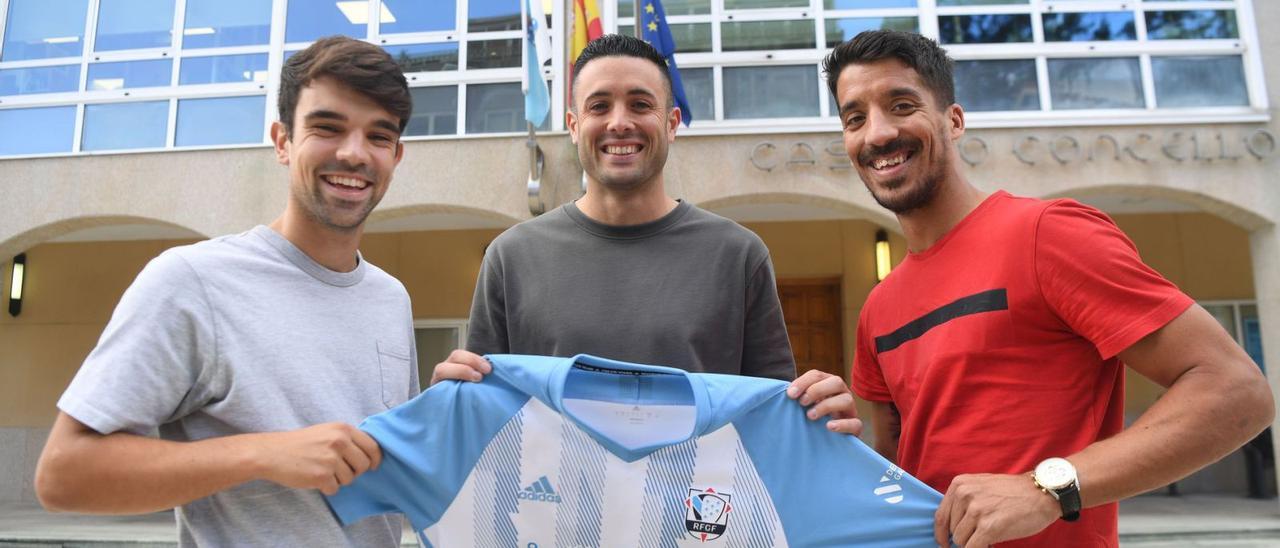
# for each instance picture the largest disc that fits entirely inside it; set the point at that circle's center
(1069, 498)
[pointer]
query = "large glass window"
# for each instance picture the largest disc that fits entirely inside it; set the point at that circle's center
(699, 90)
(673, 7)
(1085, 27)
(488, 54)
(750, 35)
(984, 29)
(841, 30)
(425, 57)
(129, 74)
(496, 108)
(37, 130)
(1199, 81)
(493, 15)
(1183, 25)
(308, 20)
(997, 85)
(417, 16)
(1095, 83)
(435, 111)
(221, 23)
(218, 69)
(134, 24)
(124, 126)
(220, 121)
(44, 29)
(770, 92)
(55, 79)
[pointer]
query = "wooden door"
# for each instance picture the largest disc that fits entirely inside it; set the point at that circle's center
(812, 312)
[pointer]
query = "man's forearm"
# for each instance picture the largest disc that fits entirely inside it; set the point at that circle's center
(1201, 419)
(83, 471)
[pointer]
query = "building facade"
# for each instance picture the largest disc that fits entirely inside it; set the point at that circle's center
(130, 126)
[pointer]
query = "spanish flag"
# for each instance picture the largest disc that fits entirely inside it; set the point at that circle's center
(586, 26)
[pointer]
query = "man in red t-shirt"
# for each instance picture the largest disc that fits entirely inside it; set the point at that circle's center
(994, 354)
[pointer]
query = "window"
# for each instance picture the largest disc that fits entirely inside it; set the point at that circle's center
(308, 20)
(223, 69)
(1240, 320)
(54, 128)
(492, 15)
(129, 74)
(425, 57)
(1096, 83)
(44, 29)
(770, 92)
(1089, 26)
(495, 108)
(434, 340)
(220, 121)
(222, 23)
(134, 24)
(997, 85)
(435, 111)
(123, 126)
(399, 16)
(54, 79)
(1199, 81)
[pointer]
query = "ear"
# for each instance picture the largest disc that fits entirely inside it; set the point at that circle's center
(955, 114)
(673, 122)
(280, 138)
(399, 152)
(571, 122)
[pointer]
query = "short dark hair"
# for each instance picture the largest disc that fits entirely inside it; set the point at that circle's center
(362, 66)
(922, 54)
(621, 45)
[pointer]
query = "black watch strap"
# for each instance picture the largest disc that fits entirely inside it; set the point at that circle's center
(1069, 499)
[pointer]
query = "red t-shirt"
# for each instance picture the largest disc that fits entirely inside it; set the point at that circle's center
(998, 345)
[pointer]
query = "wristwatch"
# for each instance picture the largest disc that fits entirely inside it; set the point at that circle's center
(1057, 477)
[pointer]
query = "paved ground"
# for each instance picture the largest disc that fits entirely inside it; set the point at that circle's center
(1153, 521)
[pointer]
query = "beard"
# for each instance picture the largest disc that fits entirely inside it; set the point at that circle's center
(341, 216)
(914, 196)
(625, 181)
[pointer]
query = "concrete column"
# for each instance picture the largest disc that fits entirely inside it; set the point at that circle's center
(1264, 245)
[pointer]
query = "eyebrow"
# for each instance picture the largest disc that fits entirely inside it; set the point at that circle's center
(633, 91)
(333, 115)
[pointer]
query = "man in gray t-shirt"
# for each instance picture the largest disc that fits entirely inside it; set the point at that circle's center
(627, 272)
(252, 356)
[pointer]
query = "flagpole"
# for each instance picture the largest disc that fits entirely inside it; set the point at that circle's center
(638, 31)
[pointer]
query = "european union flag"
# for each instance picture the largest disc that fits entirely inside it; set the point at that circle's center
(654, 30)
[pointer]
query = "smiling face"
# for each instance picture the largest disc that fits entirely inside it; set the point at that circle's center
(622, 121)
(898, 136)
(341, 153)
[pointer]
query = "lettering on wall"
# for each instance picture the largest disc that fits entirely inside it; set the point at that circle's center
(1055, 149)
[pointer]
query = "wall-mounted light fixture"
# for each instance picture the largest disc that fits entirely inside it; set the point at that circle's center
(883, 266)
(15, 284)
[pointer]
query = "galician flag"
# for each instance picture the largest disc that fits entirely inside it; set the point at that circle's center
(537, 51)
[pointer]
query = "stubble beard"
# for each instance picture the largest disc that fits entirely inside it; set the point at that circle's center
(322, 212)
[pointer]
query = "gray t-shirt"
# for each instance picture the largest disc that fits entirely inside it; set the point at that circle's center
(691, 290)
(246, 333)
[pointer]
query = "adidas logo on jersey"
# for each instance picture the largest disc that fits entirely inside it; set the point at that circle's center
(887, 490)
(539, 491)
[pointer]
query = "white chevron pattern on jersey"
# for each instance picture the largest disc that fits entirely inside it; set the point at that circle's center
(603, 500)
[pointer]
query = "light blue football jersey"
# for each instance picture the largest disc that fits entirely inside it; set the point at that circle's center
(587, 451)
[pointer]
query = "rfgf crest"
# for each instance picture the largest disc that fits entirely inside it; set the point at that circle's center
(707, 513)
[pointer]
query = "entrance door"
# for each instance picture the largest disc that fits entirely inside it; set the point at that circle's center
(812, 311)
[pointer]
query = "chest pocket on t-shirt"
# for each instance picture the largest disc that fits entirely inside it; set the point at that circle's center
(393, 362)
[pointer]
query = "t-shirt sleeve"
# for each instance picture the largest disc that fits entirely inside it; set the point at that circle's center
(867, 381)
(766, 348)
(487, 327)
(1091, 276)
(153, 361)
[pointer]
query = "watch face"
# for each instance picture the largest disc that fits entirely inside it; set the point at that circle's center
(1055, 473)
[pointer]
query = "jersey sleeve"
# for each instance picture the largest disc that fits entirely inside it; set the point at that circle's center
(863, 500)
(866, 379)
(1091, 276)
(429, 446)
(487, 327)
(155, 358)
(766, 349)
